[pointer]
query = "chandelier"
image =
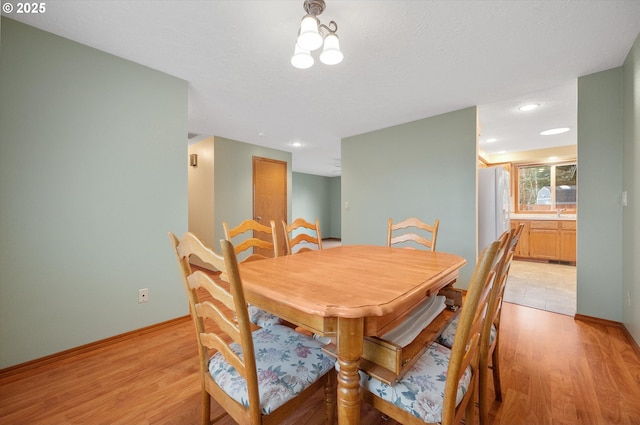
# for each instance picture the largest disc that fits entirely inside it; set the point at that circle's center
(312, 34)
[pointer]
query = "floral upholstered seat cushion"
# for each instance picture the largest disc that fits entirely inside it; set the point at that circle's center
(421, 390)
(262, 318)
(287, 363)
(446, 338)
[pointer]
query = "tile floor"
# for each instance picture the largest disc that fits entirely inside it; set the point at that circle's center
(330, 243)
(550, 287)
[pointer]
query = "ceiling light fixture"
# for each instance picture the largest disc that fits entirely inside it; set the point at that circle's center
(492, 140)
(529, 107)
(311, 36)
(554, 131)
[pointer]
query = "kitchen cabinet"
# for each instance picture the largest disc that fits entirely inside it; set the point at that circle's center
(543, 239)
(551, 240)
(522, 249)
(567, 241)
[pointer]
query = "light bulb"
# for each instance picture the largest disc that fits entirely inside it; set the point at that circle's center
(301, 58)
(309, 37)
(555, 131)
(528, 107)
(331, 54)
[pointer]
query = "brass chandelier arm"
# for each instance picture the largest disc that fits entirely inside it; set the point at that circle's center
(328, 28)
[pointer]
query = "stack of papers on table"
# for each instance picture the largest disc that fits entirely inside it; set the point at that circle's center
(419, 318)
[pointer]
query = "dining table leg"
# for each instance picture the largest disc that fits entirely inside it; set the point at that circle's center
(350, 342)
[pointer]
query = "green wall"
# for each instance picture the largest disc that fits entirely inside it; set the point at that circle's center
(599, 244)
(233, 181)
(92, 162)
(631, 183)
(318, 197)
(336, 208)
(426, 169)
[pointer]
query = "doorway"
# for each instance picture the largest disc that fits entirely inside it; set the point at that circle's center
(514, 132)
(270, 197)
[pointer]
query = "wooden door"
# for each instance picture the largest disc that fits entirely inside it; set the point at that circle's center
(270, 196)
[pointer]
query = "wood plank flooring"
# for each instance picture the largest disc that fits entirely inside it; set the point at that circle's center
(554, 371)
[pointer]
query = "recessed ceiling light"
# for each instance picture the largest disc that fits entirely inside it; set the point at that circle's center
(501, 152)
(529, 107)
(491, 140)
(555, 131)
(296, 144)
(261, 134)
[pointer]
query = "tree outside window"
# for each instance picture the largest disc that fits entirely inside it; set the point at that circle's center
(547, 187)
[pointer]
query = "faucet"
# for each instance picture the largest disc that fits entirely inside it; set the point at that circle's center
(560, 211)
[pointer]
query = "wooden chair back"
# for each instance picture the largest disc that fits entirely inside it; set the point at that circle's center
(219, 311)
(465, 351)
(229, 315)
(464, 354)
(495, 297)
(253, 241)
(413, 230)
(514, 237)
(489, 350)
(305, 234)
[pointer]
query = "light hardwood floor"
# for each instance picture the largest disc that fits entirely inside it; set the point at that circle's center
(554, 371)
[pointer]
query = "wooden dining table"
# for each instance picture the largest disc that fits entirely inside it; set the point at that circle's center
(348, 292)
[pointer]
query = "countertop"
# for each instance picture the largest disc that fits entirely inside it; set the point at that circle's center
(567, 217)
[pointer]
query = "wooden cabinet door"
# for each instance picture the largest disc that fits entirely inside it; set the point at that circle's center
(568, 241)
(543, 239)
(522, 249)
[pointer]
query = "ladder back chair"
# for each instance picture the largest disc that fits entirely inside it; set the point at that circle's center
(413, 230)
(249, 244)
(302, 236)
(489, 357)
(234, 360)
(490, 331)
(421, 395)
(252, 241)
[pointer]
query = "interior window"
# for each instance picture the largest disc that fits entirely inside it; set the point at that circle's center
(548, 187)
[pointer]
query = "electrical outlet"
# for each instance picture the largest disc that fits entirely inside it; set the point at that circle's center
(143, 295)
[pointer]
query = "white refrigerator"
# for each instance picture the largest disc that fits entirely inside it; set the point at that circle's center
(493, 204)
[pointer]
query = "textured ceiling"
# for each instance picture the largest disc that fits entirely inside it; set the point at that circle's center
(404, 60)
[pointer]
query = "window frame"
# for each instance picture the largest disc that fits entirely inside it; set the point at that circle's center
(552, 186)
